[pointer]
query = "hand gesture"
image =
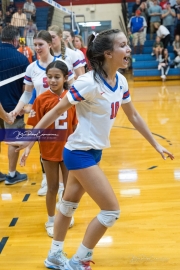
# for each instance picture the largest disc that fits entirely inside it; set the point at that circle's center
(162, 151)
(24, 156)
(9, 118)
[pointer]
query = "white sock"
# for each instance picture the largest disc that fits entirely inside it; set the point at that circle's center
(82, 253)
(51, 219)
(12, 174)
(56, 245)
(61, 185)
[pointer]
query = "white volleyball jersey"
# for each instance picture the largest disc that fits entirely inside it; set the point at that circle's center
(36, 75)
(81, 57)
(97, 105)
(72, 58)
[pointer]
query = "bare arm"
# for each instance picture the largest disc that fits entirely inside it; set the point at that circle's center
(5, 116)
(78, 72)
(138, 122)
(47, 120)
(21, 104)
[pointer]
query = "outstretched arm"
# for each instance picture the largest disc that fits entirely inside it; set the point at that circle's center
(47, 120)
(138, 122)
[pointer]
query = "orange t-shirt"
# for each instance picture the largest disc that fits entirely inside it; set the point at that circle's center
(63, 126)
(27, 52)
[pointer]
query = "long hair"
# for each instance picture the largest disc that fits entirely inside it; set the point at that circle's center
(59, 32)
(44, 35)
(97, 45)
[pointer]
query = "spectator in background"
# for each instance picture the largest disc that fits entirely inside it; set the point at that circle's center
(155, 17)
(163, 4)
(157, 48)
(135, 7)
(11, 7)
(136, 27)
(30, 10)
(177, 9)
(7, 18)
(164, 64)
(1, 18)
(144, 13)
(168, 16)
(163, 33)
(29, 32)
(176, 45)
(25, 50)
(19, 20)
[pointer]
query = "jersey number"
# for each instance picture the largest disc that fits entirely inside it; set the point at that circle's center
(45, 83)
(114, 109)
(64, 124)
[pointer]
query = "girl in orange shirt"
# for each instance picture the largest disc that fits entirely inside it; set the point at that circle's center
(51, 150)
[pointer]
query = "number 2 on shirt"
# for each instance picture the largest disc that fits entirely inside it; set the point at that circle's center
(61, 117)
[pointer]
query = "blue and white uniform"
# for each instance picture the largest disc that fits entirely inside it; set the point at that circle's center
(36, 75)
(72, 58)
(97, 105)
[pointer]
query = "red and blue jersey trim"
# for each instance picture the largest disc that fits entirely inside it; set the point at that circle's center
(27, 78)
(126, 95)
(75, 94)
(76, 63)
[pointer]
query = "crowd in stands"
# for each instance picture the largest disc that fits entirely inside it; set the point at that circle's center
(23, 18)
(161, 19)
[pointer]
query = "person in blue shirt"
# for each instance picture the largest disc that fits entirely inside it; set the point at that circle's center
(12, 63)
(136, 27)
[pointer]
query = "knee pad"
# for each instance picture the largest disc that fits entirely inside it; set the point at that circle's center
(67, 208)
(108, 218)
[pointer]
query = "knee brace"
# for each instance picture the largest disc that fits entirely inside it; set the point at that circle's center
(67, 208)
(108, 218)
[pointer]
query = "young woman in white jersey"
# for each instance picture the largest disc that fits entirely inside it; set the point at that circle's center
(35, 77)
(62, 52)
(68, 38)
(97, 95)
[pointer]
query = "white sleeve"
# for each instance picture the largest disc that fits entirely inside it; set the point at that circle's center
(28, 76)
(82, 89)
(126, 94)
(76, 63)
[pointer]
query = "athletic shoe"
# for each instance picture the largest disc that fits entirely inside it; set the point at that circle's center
(2, 177)
(56, 260)
(42, 191)
(18, 177)
(49, 226)
(78, 265)
(152, 54)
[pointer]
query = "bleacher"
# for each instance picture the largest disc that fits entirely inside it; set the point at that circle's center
(145, 66)
(42, 9)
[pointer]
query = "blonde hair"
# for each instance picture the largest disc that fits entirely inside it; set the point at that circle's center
(82, 42)
(57, 29)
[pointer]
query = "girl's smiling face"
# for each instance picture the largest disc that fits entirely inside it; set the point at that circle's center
(121, 51)
(56, 79)
(41, 47)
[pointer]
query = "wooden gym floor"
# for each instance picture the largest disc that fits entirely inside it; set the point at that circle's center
(146, 237)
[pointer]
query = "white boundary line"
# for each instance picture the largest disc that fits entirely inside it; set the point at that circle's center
(58, 6)
(9, 80)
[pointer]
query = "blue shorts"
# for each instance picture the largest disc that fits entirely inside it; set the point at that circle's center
(80, 159)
